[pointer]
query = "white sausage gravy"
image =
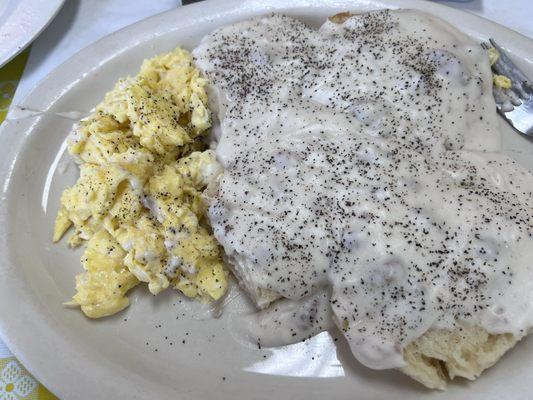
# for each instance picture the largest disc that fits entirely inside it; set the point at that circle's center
(362, 162)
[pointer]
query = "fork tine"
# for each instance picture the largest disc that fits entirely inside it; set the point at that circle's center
(504, 66)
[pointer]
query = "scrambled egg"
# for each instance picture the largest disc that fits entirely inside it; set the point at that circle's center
(493, 55)
(500, 81)
(138, 201)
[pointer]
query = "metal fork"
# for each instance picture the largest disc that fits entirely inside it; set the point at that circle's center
(516, 103)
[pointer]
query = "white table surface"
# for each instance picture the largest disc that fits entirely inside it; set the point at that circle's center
(514, 14)
(81, 22)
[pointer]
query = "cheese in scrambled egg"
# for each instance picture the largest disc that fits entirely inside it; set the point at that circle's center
(138, 201)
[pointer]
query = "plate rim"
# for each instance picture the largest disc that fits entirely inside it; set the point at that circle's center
(50, 90)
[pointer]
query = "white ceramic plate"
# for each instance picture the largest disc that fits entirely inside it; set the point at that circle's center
(116, 357)
(21, 21)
